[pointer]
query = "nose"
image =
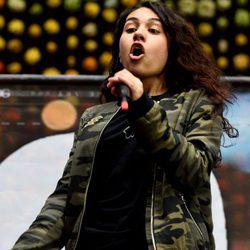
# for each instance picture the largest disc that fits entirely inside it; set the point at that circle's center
(139, 35)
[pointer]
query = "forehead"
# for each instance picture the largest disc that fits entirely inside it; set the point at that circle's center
(143, 13)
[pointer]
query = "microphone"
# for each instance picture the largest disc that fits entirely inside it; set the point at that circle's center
(124, 94)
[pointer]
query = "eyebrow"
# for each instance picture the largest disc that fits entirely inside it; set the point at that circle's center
(136, 19)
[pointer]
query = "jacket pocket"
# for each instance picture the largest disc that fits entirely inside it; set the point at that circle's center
(196, 224)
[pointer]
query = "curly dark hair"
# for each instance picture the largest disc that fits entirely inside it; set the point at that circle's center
(188, 67)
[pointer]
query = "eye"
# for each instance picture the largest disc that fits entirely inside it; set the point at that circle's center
(154, 31)
(130, 30)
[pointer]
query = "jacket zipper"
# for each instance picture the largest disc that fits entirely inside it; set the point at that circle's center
(152, 210)
(87, 188)
(191, 216)
(186, 207)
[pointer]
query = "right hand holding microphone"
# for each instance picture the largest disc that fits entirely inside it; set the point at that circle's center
(131, 83)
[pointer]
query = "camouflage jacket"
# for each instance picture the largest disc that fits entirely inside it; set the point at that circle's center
(183, 135)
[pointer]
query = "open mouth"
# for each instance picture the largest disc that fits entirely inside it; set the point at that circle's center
(137, 50)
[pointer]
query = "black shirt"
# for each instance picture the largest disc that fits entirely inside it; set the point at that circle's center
(115, 212)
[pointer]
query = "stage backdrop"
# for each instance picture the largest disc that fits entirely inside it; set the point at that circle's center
(76, 36)
(37, 121)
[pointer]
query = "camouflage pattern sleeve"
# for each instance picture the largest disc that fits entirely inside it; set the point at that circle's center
(46, 231)
(184, 136)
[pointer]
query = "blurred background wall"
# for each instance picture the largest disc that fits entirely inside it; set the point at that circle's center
(75, 36)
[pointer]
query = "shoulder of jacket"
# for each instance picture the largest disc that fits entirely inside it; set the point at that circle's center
(104, 107)
(196, 97)
(195, 93)
(193, 96)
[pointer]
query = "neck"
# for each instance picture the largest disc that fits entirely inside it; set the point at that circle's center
(154, 87)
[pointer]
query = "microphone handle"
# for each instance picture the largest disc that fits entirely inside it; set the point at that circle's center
(124, 95)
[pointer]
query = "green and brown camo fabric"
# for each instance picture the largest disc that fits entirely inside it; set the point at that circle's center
(183, 135)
